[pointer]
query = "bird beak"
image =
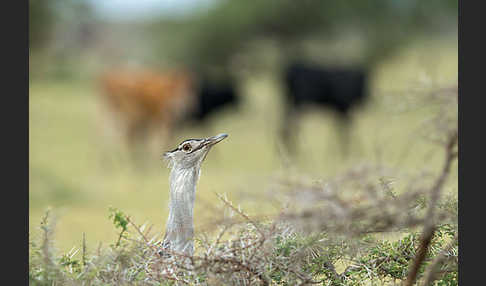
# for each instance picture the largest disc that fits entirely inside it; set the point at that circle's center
(215, 139)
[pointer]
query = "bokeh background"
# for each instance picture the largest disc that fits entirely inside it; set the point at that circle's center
(80, 164)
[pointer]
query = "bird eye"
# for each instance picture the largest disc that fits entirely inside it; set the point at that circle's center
(186, 147)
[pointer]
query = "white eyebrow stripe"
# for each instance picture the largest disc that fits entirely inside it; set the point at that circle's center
(187, 140)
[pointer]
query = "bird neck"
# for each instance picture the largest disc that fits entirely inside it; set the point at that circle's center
(180, 226)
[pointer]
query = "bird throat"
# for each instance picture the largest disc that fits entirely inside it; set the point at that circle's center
(180, 225)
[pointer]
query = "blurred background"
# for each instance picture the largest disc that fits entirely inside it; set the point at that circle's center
(303, 88)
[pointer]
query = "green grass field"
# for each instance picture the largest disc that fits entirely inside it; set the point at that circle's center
(79, 168)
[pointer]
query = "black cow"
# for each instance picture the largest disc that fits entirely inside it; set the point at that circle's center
(212, 96)
(339, 89)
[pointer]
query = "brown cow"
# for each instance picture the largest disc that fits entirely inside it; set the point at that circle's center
(148, 102)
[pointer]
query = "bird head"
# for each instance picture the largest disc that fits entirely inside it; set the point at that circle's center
(192, 152)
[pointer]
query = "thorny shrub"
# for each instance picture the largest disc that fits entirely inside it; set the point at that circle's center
(337, 233)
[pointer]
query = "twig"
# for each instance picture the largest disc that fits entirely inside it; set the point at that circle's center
(429, 228)
(84, 249)
(228, 203)
(432, 269)
(138, 230)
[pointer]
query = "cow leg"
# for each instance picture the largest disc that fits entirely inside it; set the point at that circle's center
(289, 130)
(166, 133)
(344, 133)
(167, 136)
(136, 138)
